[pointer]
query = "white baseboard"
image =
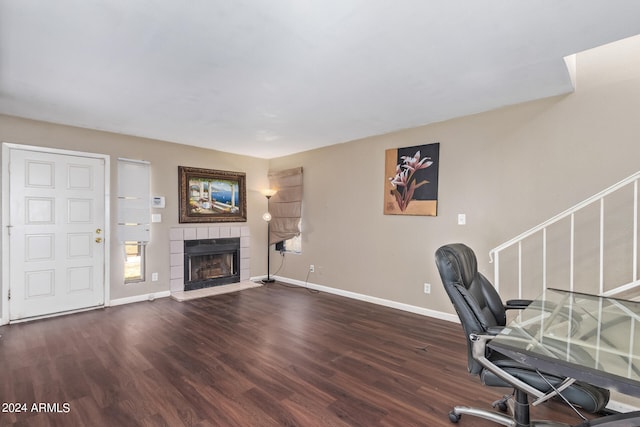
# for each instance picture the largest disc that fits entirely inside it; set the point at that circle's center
(613, 405)
(375, 300)
(139, 298)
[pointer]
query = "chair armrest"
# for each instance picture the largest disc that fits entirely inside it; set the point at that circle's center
(494, 330)
(517, 304)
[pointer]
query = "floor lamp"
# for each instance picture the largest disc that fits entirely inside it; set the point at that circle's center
(267, 217)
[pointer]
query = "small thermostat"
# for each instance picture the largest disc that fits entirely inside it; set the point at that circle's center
(157, 202)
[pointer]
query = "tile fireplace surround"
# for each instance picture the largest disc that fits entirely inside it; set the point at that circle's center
(177, 236)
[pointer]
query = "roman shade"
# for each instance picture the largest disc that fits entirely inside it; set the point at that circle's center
(134, 212)
(286, 205)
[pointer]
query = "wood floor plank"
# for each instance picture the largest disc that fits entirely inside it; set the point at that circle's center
(267, 356)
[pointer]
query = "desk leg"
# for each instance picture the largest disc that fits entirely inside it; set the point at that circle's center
(629, 419)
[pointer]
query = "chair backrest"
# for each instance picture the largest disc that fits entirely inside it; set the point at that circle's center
(474, 298)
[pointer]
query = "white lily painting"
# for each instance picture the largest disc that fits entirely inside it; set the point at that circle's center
(413, 181)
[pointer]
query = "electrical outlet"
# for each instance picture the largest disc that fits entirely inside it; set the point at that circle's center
(312, 268)
(427, 288)
(154, 277)
(462, 219)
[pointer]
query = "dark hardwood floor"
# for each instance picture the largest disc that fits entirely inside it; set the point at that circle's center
(269, 356)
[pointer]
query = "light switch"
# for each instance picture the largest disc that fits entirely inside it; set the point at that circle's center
(156, 217)
(462, 219)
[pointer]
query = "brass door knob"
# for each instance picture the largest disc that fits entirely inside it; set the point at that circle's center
(98, 239)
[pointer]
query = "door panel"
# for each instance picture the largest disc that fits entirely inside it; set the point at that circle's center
(56, 251)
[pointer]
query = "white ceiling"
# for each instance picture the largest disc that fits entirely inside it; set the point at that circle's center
(271, 78)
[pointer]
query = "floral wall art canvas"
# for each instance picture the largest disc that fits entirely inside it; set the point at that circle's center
(411, 180)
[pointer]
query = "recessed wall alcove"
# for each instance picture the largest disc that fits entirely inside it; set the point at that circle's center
(178, 235)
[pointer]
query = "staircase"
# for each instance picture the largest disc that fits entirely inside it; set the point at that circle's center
(591, 247)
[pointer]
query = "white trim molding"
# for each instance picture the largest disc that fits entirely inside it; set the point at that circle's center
(140, 298)
(4, 279)
(374, 300)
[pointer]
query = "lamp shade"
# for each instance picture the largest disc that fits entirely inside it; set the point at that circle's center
(266, 216)
(269, 192)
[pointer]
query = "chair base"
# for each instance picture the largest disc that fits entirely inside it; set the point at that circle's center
(502, 419)
(515, 412)
(629, 419)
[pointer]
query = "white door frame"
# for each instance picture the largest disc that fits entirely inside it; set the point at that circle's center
(4, 285)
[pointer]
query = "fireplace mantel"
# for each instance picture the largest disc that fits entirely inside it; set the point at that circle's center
(177, 236)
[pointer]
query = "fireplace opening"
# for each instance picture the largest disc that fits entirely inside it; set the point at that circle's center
(211, 262)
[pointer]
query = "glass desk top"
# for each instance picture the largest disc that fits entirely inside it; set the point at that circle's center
(587, 337)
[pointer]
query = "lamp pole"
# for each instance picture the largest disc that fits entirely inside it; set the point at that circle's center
(267, 217)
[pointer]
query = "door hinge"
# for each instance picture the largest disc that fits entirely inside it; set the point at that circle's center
(9, 294)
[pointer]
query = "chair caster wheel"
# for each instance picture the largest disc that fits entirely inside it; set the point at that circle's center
(454, 418)
(501, 406)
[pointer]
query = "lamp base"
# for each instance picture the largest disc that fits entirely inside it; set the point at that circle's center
(268, 280)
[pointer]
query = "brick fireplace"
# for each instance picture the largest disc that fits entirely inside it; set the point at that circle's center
(179, 235)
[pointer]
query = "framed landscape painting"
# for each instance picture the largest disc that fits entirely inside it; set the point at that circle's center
(208, 195)
(411, 180)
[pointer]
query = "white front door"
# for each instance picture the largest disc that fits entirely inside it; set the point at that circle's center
(56, 226)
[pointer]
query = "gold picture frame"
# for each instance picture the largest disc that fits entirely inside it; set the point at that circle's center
(208, 195)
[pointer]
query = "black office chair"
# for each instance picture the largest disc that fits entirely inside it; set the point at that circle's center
(483, 314)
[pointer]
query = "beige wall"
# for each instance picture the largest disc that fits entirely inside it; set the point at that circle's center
(508, 170)
(165, 159)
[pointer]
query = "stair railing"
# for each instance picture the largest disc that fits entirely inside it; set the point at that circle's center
(494, 254)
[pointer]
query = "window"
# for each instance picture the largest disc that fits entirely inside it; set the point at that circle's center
(134, 215)
(134, 262)
(292, 245)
